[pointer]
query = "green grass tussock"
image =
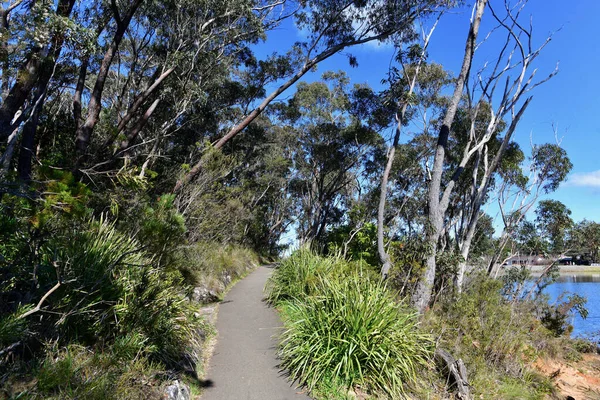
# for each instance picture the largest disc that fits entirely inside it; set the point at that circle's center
(121, 371)
(352, 329)
(299, 275)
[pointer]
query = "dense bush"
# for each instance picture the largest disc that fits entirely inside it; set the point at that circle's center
(497, 339)
(214, 265)
(343, 325)
(299, 275)
(111, 288)
(121, 371)
(97, 290)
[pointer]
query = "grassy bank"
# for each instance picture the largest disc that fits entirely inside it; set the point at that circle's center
(348, 335)
(118, 323)
(345, 332)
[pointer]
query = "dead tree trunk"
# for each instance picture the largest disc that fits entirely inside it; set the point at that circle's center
(438, 206)
(457, 371)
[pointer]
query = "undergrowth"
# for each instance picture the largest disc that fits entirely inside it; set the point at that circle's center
(344, 331)
(109, 318)
(215, 266)
(497, 339)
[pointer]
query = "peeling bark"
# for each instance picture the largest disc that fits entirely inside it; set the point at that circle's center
(437, 207)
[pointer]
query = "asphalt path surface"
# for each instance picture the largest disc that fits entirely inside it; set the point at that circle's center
(244, 365)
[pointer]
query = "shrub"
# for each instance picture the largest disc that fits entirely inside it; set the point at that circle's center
(161, 229)
(299, 274)
(105, 287)
(496, 338)
(353, 329)
(345, 325)
(76, 372)
(212, 264)
(555, 317)
(12, 327)
(115, 290)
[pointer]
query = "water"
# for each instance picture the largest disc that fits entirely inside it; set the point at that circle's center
(586, 285)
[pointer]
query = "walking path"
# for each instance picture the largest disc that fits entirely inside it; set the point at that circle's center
(244, 364)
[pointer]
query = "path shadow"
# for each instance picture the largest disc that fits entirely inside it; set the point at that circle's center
(206, 383)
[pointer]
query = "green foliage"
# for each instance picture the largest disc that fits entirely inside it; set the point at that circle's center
(554, 221)
(214, 265)
(75, 371)
(408, 258)
(551, 164)
(162, 228)
(356, 245)
(497, 339)
(299, 275)
(64, 198)
(585, 240)
(555, 317)
(115, 290)
(13, 328)
(343, 323)
(514, 280)
(109, 288)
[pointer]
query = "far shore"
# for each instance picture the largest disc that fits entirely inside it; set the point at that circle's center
(567, 269)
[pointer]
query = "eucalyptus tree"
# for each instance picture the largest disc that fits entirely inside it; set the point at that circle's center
(402, 88)
(554, 223)
(180, 53)
(585, 239)
(30, 47)
(547, 167)
(333, 27)
(437, 206)
(505, 84)
(336, 130)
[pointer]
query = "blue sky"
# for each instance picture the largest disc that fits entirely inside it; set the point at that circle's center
(569, 101)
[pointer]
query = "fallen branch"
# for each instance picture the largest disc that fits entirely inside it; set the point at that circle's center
(458, 372)
(39, 304)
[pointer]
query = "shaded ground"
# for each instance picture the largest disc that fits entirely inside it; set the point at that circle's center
(244, 363)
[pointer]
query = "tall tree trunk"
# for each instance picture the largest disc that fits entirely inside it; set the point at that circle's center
(79, 90)
(133, 109)
(437, 207)
(28, 142)
(36, 68)
(384, 258)
(7, 156)
(85, 130)
(465, 250)
(137, 128)
(30, 126)
(14, 101)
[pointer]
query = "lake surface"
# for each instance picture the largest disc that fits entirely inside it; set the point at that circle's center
(586, 285)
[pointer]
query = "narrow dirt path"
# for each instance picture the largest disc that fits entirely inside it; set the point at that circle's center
(244, 364)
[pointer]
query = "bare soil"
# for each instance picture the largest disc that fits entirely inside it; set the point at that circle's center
(579, 379)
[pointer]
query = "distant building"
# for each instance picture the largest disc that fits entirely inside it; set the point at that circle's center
(525, 260)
